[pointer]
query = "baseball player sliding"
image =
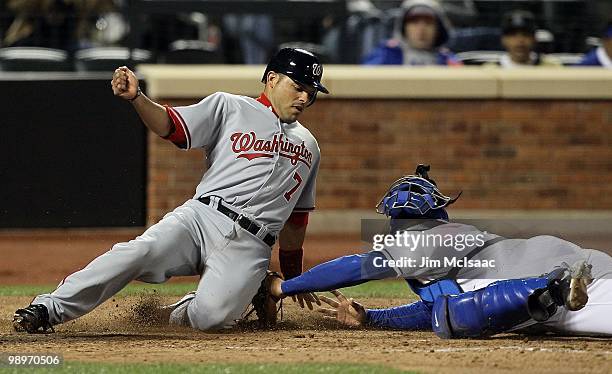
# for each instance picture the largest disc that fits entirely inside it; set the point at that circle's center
(486, 286)
(259, 186)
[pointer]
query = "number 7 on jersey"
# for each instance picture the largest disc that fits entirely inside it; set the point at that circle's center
(289, 193)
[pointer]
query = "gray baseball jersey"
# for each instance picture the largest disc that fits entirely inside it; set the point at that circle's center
(258, 167)
(256, 164)
(434, 252)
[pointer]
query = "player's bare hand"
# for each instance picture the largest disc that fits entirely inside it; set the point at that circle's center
(308, 298)
(124, 83)
(346, 311)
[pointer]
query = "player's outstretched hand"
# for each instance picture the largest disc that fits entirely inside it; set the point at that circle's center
(346, 311)
(124, 83)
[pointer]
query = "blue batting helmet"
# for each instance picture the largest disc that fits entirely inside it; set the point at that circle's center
(415, 196)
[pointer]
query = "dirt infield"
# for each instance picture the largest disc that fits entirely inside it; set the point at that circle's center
(112, 334)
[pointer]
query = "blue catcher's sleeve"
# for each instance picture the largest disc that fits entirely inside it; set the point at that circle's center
(415, 316)
(342, 272)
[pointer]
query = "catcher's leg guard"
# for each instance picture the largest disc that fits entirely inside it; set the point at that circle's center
(496, 308)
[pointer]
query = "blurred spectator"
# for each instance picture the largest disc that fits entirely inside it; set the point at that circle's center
(62, 24)
(423, 29)
(100, 23)
(362, 29)
(41, 23)
(254, 33)
(602, 55)
(518, 38)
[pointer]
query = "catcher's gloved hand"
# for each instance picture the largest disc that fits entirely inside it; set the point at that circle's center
(264, 303)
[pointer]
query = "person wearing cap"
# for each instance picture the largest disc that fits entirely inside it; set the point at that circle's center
(518, 38)
(422, 31)
(602, 55)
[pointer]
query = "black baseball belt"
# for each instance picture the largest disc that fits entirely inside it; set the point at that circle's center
(243, 221)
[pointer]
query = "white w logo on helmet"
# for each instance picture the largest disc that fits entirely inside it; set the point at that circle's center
(317, 69)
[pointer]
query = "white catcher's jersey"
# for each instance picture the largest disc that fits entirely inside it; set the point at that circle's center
(256, 163)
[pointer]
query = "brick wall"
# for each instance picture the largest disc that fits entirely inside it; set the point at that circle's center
(503, 154)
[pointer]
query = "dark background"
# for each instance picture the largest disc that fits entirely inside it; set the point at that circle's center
(71, 155)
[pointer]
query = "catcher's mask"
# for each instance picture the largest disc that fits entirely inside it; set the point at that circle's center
(301, 66)
(415, 196)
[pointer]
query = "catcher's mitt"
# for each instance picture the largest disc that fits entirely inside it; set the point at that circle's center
(264, 304)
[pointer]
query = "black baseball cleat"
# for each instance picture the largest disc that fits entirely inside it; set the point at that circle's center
(34, 319)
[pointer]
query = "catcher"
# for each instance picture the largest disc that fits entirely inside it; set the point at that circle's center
(530, 284)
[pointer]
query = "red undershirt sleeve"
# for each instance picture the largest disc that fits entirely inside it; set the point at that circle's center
(177, 135)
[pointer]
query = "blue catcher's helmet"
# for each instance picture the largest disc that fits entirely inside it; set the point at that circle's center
(415, 196)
